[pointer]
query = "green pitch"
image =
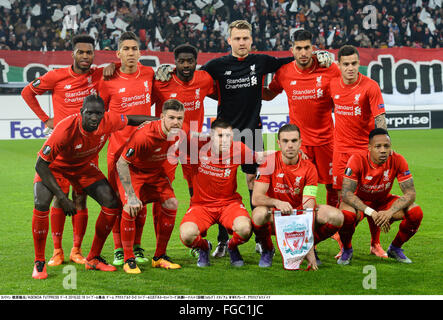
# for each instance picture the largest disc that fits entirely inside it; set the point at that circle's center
(367, 274)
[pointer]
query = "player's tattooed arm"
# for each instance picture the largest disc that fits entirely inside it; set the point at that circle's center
(133, 205)
(348, 188)
(380, 121)
(408, 198)
(383, 218)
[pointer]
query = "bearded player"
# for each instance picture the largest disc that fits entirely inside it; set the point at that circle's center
(142, 179)
(286, 182)
(366, 191)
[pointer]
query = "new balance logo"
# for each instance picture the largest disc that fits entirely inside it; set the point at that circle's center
(122, 90)
(293, 82)
(228, 73)
(78, 146)
(173, 95)
(280, 175)
(67, 87)
(337, 96)
(157, 150)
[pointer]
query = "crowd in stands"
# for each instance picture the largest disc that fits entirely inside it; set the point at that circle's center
(46, 25)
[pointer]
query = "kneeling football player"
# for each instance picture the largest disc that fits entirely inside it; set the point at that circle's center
(367, 183)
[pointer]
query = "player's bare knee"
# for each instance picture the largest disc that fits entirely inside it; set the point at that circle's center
(188, 233)
(170, 204)
(260, 215)
(331, 215)
(243, 227)
(79, 200)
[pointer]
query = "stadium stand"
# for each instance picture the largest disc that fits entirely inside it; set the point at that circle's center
(162, 25)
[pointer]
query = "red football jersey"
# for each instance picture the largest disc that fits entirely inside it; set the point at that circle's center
(286, 182)
(148, 148)
(309, 99)
(191, 94)
(128, 94)
(68, 90)
(356, 106)
(375, 181)
(214, 178)
(70, 147)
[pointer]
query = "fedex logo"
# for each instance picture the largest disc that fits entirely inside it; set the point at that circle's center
(19, 131)
(272, 126)
(270, 123)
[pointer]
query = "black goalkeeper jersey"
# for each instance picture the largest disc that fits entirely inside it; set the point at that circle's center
(239, 83)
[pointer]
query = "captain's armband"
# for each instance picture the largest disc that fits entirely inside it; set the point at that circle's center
(310, 191)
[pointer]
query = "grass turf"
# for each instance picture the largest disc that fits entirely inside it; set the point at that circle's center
(422, 149)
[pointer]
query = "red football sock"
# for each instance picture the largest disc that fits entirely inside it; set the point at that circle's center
(199, 243)
(331, 196)
(40, 226)
(79, 224)
(156, 212)
(235, 241)
(409, 226)
(57, 225)
(139, 225)
(103, 227)
(166, 222)
(127, 232)
(263, 235)
(116, 233)
(375, 231)
(348, 228)
(325, 231)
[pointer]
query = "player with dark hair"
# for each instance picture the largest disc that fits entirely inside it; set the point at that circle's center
(358, 108)
(306, 85)
(215, 198)
(366, 188)
(70, 154)
(129, 91)
(142, 179)
(190, 87)
(286, 182)
(69, 86)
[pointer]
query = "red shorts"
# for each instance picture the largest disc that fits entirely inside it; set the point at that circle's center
(339, 162)
(147, 187)
(79, 179)
(321, 157)
(204, 216)
(382, 205)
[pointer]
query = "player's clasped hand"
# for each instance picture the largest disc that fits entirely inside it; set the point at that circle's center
(68, 206)
(133, 206)
(108, 71)
(381, 219)
(164, 72)
(284, 207)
